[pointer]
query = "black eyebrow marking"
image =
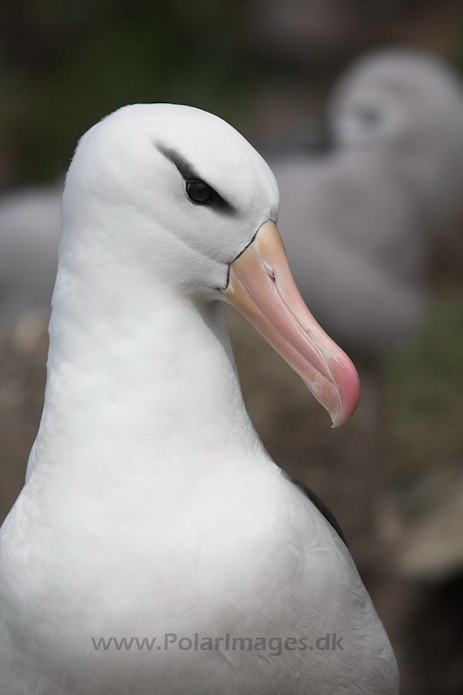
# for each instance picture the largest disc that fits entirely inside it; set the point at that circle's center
(184, 167)
(189, 173)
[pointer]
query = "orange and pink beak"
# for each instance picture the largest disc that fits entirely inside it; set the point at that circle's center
(262, 288)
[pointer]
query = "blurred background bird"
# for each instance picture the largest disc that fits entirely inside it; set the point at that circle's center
(362, 213)
(372, 220)
(29, 238)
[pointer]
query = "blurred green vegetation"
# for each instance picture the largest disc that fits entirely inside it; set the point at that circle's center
(431, 376)
(425, 396)
(65, 65)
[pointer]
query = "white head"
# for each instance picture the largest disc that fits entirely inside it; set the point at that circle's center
(173, 197)
(409, 106)
(131, 176)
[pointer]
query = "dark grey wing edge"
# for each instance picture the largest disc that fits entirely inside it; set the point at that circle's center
(321, 506)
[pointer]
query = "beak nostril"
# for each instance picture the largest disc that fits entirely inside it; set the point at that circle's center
(270, 271)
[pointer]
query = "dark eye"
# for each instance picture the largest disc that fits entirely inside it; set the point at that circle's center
(370, 115)
(200, 193)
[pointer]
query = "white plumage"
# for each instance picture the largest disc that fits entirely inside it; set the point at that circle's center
(150, 505)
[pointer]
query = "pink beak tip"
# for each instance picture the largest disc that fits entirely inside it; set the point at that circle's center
(349, 389)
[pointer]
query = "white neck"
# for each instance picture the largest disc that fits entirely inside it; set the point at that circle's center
(141, 383)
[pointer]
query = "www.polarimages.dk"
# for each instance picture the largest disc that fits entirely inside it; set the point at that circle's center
(274, 646)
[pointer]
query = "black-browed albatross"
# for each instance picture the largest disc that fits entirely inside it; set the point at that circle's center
(151, 510)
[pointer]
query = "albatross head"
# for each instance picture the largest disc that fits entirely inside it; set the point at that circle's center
(409, 105)
(185, 199)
